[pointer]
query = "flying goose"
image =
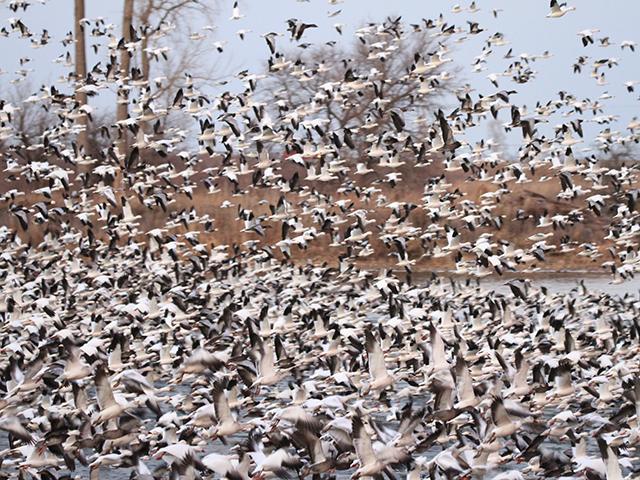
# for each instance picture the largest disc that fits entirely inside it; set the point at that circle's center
(227, 424)
(380, 379)
(559, 9)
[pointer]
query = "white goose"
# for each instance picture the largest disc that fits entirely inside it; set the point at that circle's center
(559, 9)
(268, 373)
(504, 426)
(228, 466)
(379, 376)
(75, 369)
(109, 408)
(369, 465)
(227, 424)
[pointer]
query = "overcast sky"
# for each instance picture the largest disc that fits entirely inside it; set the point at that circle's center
(522, 22)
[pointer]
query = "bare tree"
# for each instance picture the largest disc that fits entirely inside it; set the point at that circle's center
(618, 155)
(171, 45)
(81, 69)
(122, 109)
(29, 120)
(384, 60)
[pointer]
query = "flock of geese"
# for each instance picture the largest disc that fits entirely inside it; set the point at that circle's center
(149, 353)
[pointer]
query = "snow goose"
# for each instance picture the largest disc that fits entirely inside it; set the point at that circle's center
(559, 9)
(379, 377)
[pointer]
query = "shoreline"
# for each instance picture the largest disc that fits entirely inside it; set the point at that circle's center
(555, 273)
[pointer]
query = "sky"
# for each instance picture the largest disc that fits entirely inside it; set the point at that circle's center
(523, 23)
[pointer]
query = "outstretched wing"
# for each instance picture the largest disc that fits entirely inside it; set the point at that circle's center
(362, 442)
(103, 388)
(377, 367)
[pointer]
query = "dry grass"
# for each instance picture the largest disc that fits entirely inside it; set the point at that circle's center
(532, 197)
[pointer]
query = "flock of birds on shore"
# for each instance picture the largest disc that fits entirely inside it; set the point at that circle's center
(155, 353)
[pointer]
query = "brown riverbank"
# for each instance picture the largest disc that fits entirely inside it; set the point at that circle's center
(526, 201)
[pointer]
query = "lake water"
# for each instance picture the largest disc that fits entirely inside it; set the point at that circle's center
(555, 282)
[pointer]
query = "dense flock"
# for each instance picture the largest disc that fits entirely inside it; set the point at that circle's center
(185, 290)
